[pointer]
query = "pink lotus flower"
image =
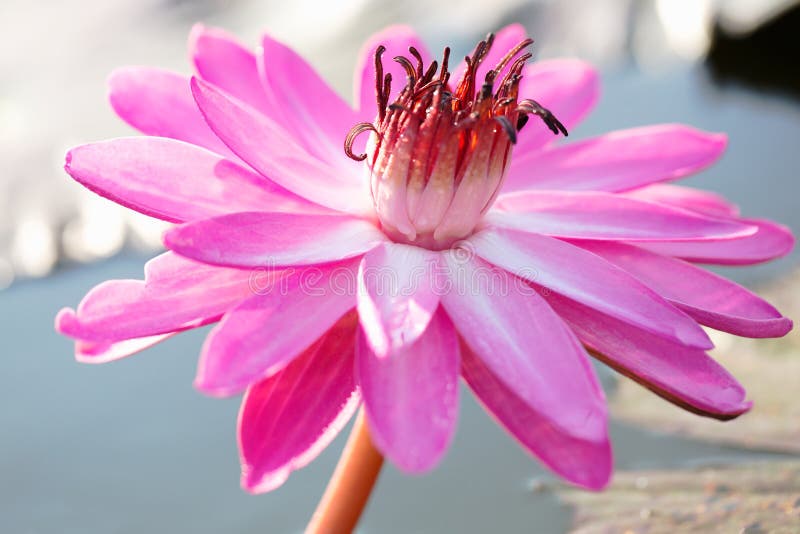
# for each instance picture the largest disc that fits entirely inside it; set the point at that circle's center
(468, 243)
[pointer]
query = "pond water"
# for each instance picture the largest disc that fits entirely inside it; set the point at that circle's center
(130, 447)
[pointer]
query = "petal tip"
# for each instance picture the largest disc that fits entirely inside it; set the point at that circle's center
(203, 93)
(174, 239)
(514, 27)
(114, 78)
(197, 31)
(196, 83)
(200, 32)
(598, 476)
(66, 322)
(720, 139)
(211, 390)
(418, 464)
(208, 387)
(788, 239)
(734, 410)
(586, 73)
(255, 484)
(772, 328)
(716, 141)
(120, 82)
(787, 326)
(697, 338)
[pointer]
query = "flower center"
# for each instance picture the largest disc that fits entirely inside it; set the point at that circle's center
(439, 155)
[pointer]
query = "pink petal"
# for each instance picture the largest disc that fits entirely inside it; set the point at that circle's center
(587, 463)
(396, 39)
(606, 216)
(411, 396)
(269, 149)
(590, 280)
(176, 294)
(263, 334)
(109, 351)
(504, 40)
(396, 298)
(526, 345)
(317, 117)
(705, 202)
(567, 87)
(221, 59)
(159, 102)
(771, 241)
(175, 181)
(265, 239)
(287, 419)
(617, 161)
(709, 298)
(682, 375)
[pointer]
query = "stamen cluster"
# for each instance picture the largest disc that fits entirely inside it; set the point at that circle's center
(439, 155)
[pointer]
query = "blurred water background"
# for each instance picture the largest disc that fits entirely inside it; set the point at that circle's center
(131, 447)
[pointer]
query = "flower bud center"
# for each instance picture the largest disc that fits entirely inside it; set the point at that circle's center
(439, 155)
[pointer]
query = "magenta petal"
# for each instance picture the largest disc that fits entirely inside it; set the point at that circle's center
(706, 202)
(263, 239)
(411, 396)
(287, 419)
(707, 297)
(159, 102)
(526, 345)
(587, 463)
(270, 149)
(221, 59)
(396, 297)
(582, 276)
(175, 181)
(682, 375)
(567, 87)
(109, 351)
(770, 241)
(264, 333)
(176, 294)
(311, 109)
(617, 161)
(396, 39)
(606, 216)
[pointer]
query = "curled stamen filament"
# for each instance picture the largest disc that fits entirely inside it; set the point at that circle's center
(354, 132)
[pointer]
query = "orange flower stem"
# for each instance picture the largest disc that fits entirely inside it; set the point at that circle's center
(351, 485)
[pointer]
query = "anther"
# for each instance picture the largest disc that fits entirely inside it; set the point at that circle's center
(379, 89)
(508, 128)
(420, 65)
(428, 76)
(411, 72)
(534, 108)
(511, 53)
(354, 132)
(387, 88)
(445, 59)
(428, 87)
